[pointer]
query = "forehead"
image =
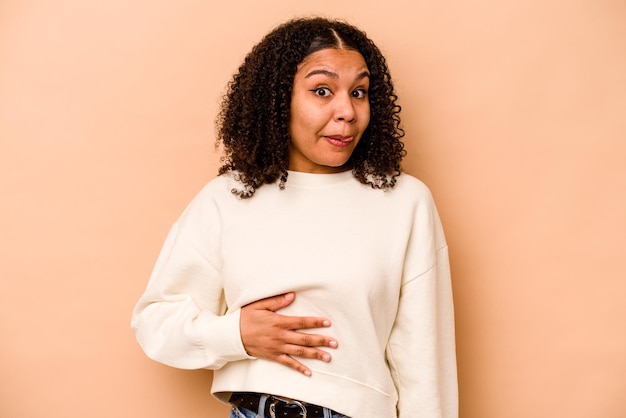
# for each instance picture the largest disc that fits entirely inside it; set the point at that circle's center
(333, 59)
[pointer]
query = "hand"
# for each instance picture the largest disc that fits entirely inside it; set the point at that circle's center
(271, 336)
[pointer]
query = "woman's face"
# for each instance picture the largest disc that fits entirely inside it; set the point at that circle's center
(330, 110)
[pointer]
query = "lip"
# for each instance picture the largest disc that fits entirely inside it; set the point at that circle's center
(339, 140)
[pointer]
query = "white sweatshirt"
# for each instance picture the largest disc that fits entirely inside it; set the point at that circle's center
(374, 262)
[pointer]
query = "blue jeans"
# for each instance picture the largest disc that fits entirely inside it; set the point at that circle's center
(245, 413)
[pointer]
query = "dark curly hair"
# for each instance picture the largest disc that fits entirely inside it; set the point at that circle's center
(252, 126)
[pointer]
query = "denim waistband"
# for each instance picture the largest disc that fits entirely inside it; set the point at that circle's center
(257, 405)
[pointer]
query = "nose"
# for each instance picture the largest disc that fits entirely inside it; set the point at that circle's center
(344, 110)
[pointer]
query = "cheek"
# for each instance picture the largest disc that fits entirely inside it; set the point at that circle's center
(365, 117)
(298, 124)
(308, 120)
(299, 114)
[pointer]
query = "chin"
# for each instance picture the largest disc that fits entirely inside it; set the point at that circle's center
(337, 162)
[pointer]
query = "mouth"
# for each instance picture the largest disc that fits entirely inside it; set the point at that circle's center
(339, 140)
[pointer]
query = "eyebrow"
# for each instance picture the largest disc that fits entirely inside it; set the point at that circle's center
(334, 75)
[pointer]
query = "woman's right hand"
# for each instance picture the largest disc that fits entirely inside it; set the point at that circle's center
(271, 336)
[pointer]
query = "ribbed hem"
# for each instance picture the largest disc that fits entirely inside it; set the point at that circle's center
(340, 394)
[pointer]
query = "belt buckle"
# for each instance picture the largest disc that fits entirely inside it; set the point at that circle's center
(278, 399)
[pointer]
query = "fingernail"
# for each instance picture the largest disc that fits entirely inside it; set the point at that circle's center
(289, 296)
(333, 344)
(326, 357)
(307, 373)
(326, 323)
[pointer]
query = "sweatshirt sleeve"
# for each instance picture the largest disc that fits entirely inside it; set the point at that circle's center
(180, 319)
(421, 350)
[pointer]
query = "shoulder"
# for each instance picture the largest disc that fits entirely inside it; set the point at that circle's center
(218, 185)
(218, 188)
(408, 185)
(210, 197)
(425, 214)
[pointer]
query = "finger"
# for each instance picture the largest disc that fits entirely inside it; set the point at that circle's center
(274, 303)
(307, 352)
(303, 322)
(287, 360)
(303, 339)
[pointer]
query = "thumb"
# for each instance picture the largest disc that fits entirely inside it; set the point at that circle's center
(275, 303)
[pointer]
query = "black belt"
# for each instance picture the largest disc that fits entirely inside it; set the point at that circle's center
(276, 406)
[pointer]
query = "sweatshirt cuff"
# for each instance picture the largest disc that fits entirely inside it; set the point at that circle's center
(225, 338)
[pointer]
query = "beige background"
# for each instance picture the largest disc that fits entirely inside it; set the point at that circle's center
(515, 115)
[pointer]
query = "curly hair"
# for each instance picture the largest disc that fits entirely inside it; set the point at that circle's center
(252, 126)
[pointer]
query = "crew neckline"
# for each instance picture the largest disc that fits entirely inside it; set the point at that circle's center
(302, 179)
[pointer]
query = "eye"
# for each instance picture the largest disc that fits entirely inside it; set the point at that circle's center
(322, 91)
(359, 93)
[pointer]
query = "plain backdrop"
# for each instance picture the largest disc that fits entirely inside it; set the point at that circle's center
(515, 117)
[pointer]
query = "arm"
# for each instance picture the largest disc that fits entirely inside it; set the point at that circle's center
(421, 350)
(180, 319)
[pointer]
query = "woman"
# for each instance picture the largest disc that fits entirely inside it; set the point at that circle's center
(311, 274)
